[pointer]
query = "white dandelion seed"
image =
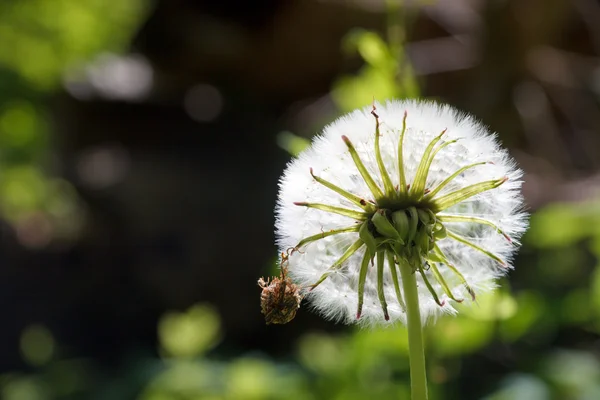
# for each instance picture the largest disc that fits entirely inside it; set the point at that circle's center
(408, 182)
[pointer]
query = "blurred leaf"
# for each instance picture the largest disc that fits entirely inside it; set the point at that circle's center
(371, 47)
(352, 92)
(291, 143)
(595, 291)
(572, 371)
(456, 336)
(22, 388)
(37, 345)
(559, 225)
(490, 306)
(22, 190)
(182, 379)
(323, 353)
(190, 333)
(69, 377)
(562, 267)
(520, 386)
(20, 126)
(42, 37)
(250, 379)
(576, 307)
(373, 343)
(383, 77)
(530, 307)
(594, 243)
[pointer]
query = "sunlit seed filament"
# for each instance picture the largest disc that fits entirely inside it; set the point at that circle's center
(467, 242)
(338, 264)
(364, 268)
(392, 265)
(438, 276)
(418, 185)
(336, 210)
(322, 235)
(380, 291)
(450, 199)
(446, 181)
(385, 177)
(362, 169)
(401, 174)
(429, 287)
(351, 197)
(477, 220)
(442, 258)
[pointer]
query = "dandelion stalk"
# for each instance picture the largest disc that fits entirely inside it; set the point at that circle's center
(418, 375)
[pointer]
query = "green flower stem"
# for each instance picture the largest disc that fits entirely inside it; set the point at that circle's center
(418, 377)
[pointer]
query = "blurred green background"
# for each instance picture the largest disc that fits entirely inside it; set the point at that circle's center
(140, 146)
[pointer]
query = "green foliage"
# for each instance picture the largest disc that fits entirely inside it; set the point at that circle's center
(291, 143)
(37, 345)
(189, 334)
(41, 38)
(562, 225)
(385, 75)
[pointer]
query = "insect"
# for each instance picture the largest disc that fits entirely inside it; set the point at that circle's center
(280, 298)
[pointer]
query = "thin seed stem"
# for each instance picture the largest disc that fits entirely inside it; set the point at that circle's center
(459, 195)
(401, 175)
(467, 242)
(446, 181)
(363, 170)
(353, 198)
(429, 287)
(418, 375)
(419, 186)
(338, 264)
(439, 277)
(388, 186)
(362, 277)
(419, 181)
(452, 268)
(360, 216)
(476, 220)
(392, 264)
(305, 241)
(380, 292)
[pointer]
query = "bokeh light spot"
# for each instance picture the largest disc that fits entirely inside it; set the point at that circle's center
(247, 379)
(22, 190)
(103, 166)
(37, 345)
(19, 125)
(203, 103)
(190, 333)
(23, 389)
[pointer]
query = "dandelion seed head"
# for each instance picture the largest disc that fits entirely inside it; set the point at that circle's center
(478, 251)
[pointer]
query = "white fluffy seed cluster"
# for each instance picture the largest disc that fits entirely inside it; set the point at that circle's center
(336, 297)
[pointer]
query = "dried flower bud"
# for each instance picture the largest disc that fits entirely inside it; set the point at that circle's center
(280, 299)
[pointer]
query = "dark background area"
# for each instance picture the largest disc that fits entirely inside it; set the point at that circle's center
(140, 149)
